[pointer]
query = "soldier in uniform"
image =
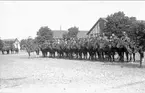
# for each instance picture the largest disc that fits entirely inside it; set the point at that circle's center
(125, 37)
(104, 37)
(113, 37)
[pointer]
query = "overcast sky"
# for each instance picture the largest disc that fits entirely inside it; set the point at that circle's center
(24, 18)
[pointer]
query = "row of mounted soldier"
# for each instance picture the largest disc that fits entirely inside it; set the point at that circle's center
(93, 48)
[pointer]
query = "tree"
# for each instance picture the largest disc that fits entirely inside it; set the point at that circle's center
(30, 45)
(44, 34)
(72, 32)
(65, 35)
(1, 44)
(22, 42)
(118, 23)
(139, 33)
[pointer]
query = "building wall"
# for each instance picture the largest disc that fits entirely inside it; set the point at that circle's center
(98, 28)
(95, 30)
(102, 25)
(17, 44)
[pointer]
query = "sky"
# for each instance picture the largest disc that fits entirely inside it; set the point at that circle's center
(21, 19)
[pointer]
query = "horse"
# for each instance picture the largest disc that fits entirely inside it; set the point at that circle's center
(30, 46)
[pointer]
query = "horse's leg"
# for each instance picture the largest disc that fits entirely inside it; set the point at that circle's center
(109, 56)
(122, 56)
(2, 52)
(46, 53)
(95, 55)
(86, 55)
(54, 54)
(134, 57)
(126, 56)
(8, 51)
(77, 55)
(29, 54)
(113, 56)
(130, 59)
(80, 56)
(102, 55)
(43, 53)
(141, 58)
(36, 53)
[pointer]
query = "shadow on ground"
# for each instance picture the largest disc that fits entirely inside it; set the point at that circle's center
(117, 63)
(126, 64)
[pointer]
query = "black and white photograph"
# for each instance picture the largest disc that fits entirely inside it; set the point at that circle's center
(72, 46)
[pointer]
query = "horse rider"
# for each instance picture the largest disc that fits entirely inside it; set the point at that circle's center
(125, 37)
(104, 37)
(113, 37)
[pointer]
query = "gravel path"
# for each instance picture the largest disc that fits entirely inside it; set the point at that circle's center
(20, 74)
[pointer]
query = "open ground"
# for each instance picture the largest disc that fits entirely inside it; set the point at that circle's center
(20, 74)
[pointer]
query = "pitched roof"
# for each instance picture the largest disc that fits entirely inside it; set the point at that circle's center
(82, 34)
(10, 40)
(143, 21)
(96, 24)
(59, 33)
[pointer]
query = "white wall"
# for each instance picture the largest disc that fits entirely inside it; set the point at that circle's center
(17, 45)
(95, 30)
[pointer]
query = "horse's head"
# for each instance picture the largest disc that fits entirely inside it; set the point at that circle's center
(102, 44)
(119, 44)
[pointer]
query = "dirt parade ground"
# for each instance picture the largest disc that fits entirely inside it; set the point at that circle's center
(20, 74)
